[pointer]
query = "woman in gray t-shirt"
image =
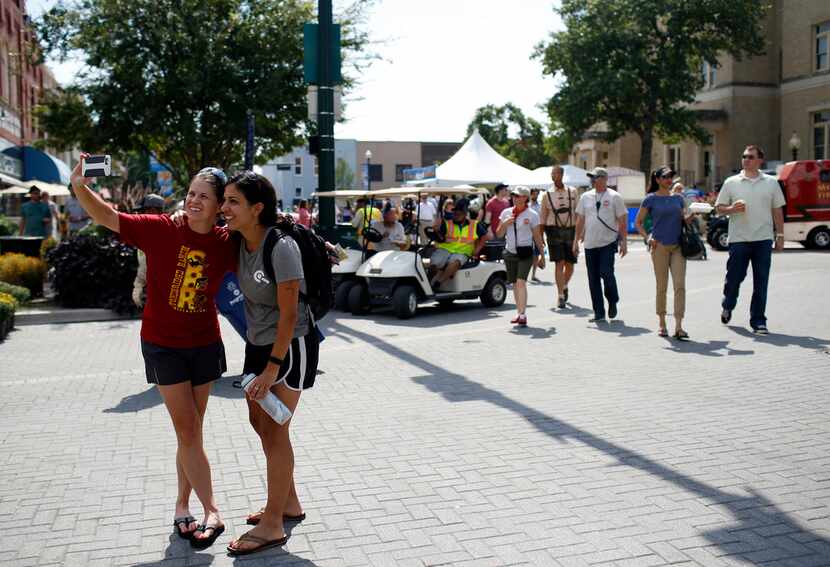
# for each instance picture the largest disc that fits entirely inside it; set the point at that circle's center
(281, 347)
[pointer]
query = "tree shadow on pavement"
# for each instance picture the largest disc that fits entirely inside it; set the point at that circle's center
(710, 348)
(781, 340)
(150, 397)
(754, 515)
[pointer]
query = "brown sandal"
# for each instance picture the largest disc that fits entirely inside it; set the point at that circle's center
(263, 544)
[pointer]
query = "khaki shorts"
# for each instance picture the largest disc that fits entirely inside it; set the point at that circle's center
(441, 258)
(517, 268)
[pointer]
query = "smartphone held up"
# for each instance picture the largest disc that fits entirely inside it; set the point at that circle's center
(97, 166)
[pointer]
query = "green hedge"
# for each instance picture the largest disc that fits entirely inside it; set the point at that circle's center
(20, 293)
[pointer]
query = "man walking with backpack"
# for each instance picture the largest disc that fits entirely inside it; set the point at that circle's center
(602, 224)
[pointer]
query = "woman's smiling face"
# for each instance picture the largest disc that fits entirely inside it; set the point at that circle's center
(201, 202)
(239, 213)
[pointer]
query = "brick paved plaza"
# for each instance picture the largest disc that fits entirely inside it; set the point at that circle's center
(452, 439)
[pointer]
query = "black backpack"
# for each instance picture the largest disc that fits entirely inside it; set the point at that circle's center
(316, 264)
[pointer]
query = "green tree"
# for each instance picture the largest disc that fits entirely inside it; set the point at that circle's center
(343, 175)
(635, 65)
(175, 78)
(515, 136)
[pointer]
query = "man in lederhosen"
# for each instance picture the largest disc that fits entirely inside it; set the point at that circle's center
(558, 216)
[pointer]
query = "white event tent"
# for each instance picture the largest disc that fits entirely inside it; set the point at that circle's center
(477, 162)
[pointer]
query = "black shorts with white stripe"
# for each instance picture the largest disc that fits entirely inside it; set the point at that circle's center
(299, 366)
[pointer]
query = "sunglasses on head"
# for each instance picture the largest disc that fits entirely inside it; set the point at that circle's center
(216, 172)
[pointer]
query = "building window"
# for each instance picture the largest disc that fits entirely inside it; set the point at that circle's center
(399, 170)
(298, 192)
(823, 46)
(821, 135)
(376, 172)
(710, 75)
(298, 165)
(674, 157)
(707, 164)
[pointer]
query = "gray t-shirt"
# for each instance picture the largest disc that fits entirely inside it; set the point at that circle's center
(601, 224)
(261, 310)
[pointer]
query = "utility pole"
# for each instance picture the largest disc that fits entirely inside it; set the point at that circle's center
(325, 113)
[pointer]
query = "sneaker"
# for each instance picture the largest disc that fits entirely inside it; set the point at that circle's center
(760, 330)
(597, 319)
(562, 303)
(725, 316)
(612, 310)
(534, 279)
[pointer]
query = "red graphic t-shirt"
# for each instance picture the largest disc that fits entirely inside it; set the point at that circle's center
(184, 270)
(495, 206)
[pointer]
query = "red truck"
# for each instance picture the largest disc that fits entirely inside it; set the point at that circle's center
(806, 187)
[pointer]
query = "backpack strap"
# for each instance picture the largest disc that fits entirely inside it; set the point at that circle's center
(273, 236)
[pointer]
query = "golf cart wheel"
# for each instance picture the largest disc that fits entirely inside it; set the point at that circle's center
(358, 299)
(720, 239)
(495, 292)
(405, 301)
(341, 295)
(819, 238)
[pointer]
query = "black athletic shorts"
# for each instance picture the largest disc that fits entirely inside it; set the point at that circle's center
(560, 243)
(299, 367)
(166, 366)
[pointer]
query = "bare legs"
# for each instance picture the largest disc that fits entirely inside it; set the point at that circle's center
(279, 456)
(186, 405)
(520, 295)
(562, 272)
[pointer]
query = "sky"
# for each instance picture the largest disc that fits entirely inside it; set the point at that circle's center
(441, 60)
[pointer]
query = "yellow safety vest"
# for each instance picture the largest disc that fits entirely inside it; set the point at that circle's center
(460, 240)
(373, 213)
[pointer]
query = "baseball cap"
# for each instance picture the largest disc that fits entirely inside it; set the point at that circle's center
(152, 201)
(462, 205)
(520, 190)
(666, 171)
(500, 186)
(598, 172)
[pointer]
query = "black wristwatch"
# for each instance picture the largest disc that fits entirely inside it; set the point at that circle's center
(275, 360)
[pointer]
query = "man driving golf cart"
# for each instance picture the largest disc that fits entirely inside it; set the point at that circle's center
(386, 234)
(458, 240)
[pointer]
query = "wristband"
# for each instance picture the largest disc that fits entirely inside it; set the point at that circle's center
(275, 360)
(779, 236)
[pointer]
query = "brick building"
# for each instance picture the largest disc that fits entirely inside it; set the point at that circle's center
(762, 100)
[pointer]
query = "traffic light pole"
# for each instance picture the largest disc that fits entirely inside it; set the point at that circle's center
(325, 116)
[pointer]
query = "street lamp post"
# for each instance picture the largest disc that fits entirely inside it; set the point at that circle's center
(795, 145)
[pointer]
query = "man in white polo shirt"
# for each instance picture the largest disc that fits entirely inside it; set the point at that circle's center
(753, 201)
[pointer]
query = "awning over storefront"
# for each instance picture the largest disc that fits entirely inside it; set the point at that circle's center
(40, 166)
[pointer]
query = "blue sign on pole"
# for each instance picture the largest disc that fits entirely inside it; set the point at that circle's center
(416, 174)
(164, 177)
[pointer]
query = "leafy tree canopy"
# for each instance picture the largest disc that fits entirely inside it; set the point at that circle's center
(175, 78)
(517, 137)
(634, 65)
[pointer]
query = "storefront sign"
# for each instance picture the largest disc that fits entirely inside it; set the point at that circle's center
(11, 166)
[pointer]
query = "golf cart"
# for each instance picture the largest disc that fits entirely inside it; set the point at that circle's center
(343, 274)
(400, 278)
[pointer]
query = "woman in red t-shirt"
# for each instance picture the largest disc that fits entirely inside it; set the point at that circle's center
(180, 341)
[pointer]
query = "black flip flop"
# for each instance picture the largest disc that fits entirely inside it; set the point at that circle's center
(204, 543)
(264, 544)
(186, 521)
(681, 336)
(285, 518)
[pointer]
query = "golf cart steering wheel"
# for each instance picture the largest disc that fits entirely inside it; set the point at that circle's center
(372, 235)
(431, 234)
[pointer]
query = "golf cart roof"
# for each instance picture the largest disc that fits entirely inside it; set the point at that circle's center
(404, 191)
(342, 194)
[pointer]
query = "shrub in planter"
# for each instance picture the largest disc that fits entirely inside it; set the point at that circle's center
(46, 246)
(88, 271)
(21, 294)
(8, 304)
(7, 227)
(18, 269)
